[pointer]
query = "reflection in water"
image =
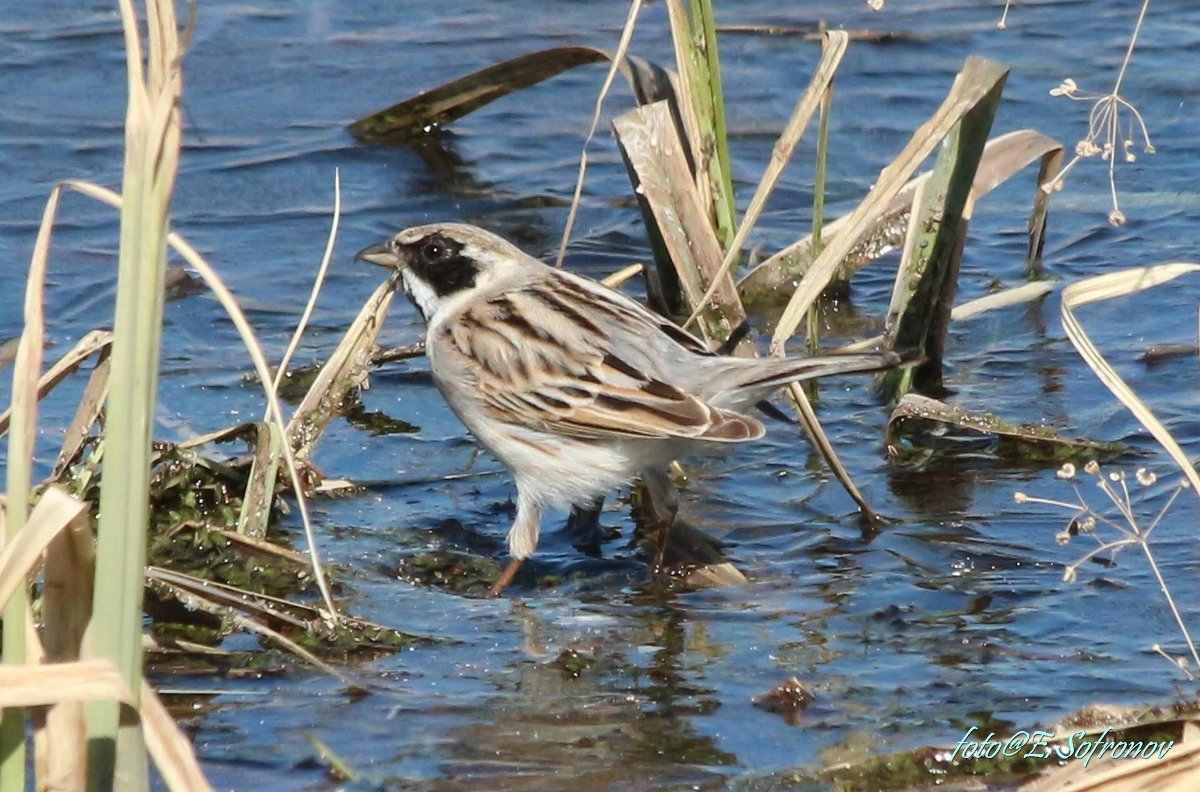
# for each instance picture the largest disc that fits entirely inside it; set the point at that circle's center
(940, 490)
(609, 708)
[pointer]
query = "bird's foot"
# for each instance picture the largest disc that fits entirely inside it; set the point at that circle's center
(506, 576)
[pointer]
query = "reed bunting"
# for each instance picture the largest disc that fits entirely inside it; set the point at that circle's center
(575, 387)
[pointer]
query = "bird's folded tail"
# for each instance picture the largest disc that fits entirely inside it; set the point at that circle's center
(773, 372)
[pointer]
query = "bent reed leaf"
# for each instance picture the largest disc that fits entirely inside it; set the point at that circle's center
(1107, 287)
(438, 107)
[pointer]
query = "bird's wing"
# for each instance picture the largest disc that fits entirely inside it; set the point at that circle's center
(538, 360)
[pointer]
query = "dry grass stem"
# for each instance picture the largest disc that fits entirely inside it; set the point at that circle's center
(311, 305)
(614, 67)
(262, 370)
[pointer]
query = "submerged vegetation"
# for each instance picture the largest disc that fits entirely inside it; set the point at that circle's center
(126, 527)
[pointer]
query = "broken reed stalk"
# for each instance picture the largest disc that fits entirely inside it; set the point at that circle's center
(677, 222)
(927, 279)
(116, 749)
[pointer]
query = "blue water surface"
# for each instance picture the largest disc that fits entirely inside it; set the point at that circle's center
(954, 615)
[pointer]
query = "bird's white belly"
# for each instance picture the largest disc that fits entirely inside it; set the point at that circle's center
(559, 471)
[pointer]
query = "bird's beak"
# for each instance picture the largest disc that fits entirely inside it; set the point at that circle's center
(381, 254)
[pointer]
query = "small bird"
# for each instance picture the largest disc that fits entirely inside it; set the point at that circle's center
(574, 386)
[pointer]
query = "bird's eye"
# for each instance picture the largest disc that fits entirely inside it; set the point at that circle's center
(433, 250)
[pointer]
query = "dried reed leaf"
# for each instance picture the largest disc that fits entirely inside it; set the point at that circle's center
(203, 595)
(318, 281)
(263, 547)
(169, 748)
(90, 344)
(22, 552)
(577, 195)
(820, 441)
(1106, 287)
(438, 107)
(18, 477)
(243, 431)
(222, 599)
(19, 473)
(1005, 298)
(935, 422)
(58, 683)
(676, 220)
(346, 370)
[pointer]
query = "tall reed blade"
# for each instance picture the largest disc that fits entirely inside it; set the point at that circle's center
(152, 130)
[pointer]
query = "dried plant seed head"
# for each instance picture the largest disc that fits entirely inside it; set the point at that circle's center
(875, 5)
(1117, 475)
(1185, 484)
(1116, 217)
(1066, 88)
(1067, 471)
(1070, 574)
(1149, 148)
(1092, 468)
(1086, 525)
(1146, 477)
(1063, 537)
(1020, 497)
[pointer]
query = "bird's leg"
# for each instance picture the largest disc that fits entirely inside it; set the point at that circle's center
(522, 539)
(583, 526)
(506, 576)
(664, 502)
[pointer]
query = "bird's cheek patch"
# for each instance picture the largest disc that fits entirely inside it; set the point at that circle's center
(449, 276)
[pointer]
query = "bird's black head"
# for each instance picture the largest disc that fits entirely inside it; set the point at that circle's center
(435, 259)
